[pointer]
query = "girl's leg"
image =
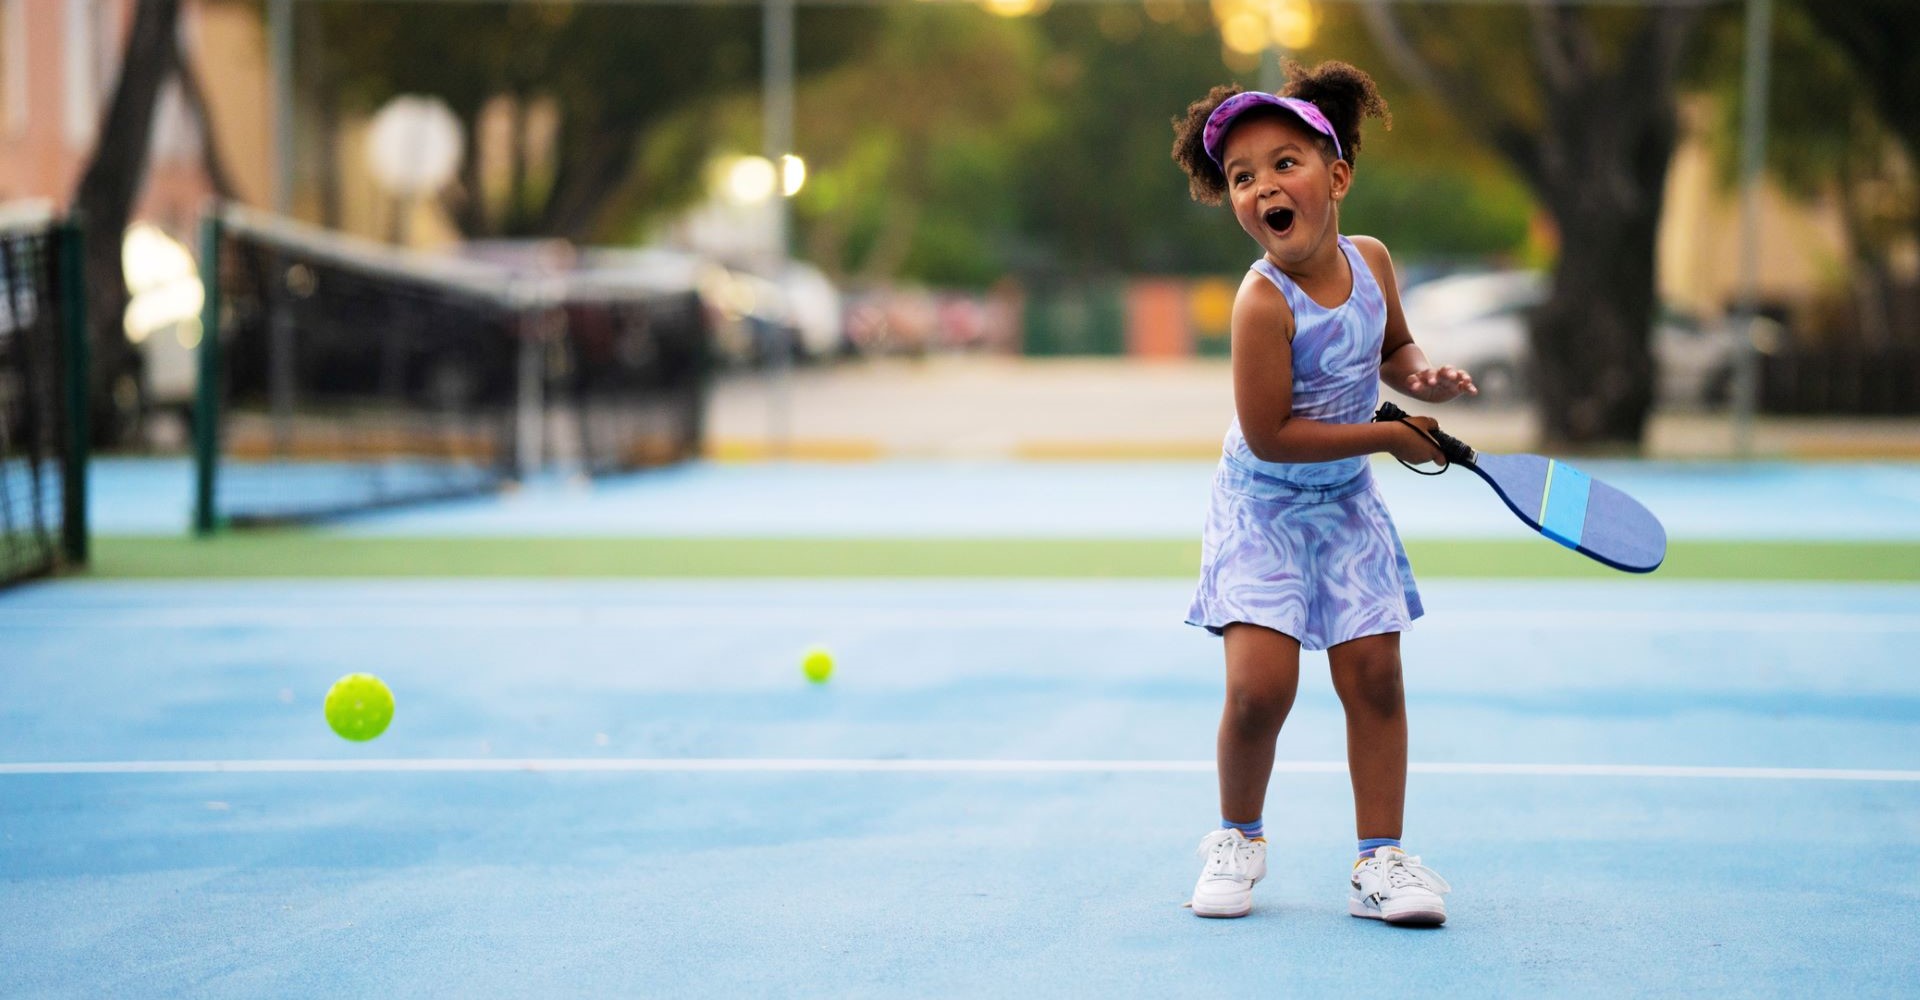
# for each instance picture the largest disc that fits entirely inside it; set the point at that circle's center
(1366, 674)
(1263, 672)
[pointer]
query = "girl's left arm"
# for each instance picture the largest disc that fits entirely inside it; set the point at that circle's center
(1403, 365)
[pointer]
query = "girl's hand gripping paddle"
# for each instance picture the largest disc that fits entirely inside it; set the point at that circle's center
(1559, 501)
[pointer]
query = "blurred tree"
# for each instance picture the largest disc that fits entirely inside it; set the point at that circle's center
(1431, 190)
(1581, 102)
(1096, 192)
(910, 145)
(1038, 146)
(1829, 142)
(907, 144)
(1878, 40)
(610, 71)
(943, 143)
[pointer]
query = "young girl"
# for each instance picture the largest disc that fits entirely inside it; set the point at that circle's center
(1299, 550)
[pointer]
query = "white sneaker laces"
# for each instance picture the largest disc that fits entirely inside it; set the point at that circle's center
(1227, 856)
(1399, 871)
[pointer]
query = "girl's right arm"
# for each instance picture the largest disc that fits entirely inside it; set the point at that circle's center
(1263, 393)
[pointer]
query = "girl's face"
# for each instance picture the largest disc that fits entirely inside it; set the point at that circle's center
(1283, 190)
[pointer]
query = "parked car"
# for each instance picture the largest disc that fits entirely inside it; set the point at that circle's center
(1478, 321)
(750, 314)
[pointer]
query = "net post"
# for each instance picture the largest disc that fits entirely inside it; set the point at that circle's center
(530, 409)
(206, 404)
(77, 367)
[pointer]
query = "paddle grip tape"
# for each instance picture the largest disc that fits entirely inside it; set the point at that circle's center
(1563, 504)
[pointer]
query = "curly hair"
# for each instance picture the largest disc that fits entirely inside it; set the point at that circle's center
(1342, 92)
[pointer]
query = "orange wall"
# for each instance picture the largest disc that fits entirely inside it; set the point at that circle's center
(1157, 320)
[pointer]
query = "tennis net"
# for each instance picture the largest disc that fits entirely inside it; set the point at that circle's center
(348, 375)
(42, 525)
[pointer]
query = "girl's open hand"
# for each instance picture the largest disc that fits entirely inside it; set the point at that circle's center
(1437, 385)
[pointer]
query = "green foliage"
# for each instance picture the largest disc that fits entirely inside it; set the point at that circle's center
(1098, 191)
(910, 146)
(613, 71)
(1815, 103)
(1832, 141)
(1424, 213)
(944, 144)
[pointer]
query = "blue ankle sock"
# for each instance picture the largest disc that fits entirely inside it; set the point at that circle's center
(1367, 847)
(1252, 831)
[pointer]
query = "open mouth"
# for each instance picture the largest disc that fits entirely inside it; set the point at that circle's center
(1280, 220)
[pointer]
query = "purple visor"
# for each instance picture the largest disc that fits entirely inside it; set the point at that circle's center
(1239, 104)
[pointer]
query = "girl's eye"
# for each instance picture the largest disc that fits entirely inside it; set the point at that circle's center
(1285, 162)
(1242, 177)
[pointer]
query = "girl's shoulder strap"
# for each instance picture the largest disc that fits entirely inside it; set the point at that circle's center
(1364, 282)
(1287, 288)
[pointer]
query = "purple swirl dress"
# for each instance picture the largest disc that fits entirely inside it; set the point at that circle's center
(1308, 548)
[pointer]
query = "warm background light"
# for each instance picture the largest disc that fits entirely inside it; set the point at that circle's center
(793, 175)
(1250, 27)
(747, 180)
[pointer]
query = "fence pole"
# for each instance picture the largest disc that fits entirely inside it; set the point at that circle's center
(1753, 148)
(70, 240)
(206, 409)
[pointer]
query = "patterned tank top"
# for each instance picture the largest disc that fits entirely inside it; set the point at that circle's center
(1336, 372)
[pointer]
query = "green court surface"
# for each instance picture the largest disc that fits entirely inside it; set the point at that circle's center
(312, 554)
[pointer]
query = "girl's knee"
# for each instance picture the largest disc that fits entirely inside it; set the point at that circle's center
(1371, 682)
(1257, 710)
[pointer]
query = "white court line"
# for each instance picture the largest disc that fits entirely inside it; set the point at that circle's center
(747, 765)
(1063, 616)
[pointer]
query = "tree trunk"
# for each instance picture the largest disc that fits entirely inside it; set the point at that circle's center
(104, 201)
(1602, 171)
(1595, 373)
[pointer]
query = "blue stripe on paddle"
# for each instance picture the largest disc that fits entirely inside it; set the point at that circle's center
(1563, 504)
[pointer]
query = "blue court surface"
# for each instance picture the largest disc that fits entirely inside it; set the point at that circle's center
(1637, 788)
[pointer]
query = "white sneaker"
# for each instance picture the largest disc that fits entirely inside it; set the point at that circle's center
(1398, 889)
(1234, 864)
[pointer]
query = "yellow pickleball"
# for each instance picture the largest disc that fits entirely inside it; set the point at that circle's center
(359, 707)
(817, 664)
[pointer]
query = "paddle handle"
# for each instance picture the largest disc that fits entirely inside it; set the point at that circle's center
(1452, 447)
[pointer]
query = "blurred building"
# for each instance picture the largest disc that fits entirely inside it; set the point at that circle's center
(1801, 246)
(59, 62)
